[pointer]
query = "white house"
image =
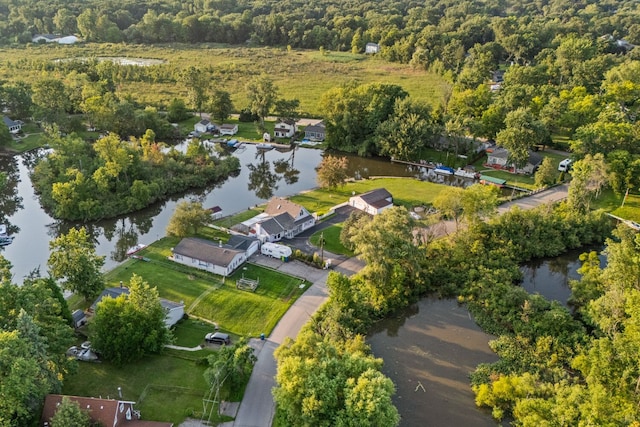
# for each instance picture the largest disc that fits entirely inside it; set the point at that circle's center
(499, 158)
(315, 132)
(209, 256)
(372, 202)
(228, 129)
(14, 126)
(285, 129)
(372, 48)
(280, 219)
(174, 310)
(202, 126)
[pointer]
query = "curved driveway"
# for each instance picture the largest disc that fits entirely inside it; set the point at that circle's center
(257, 407)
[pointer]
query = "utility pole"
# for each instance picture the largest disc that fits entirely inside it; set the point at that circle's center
(322, 248)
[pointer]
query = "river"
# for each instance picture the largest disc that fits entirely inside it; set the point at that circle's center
(429, 350)
(272, 173)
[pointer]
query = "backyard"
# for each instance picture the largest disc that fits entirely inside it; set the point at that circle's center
(210, 297)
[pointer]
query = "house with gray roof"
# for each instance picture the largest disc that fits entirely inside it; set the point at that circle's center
(315, 132)
(282, 219)
(498, 158)
(372, 202)
(14, 126)
(209, 256)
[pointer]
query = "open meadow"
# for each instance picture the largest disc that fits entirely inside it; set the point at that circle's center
(303, 75)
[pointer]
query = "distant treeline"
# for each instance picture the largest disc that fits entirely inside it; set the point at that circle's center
(407, 31)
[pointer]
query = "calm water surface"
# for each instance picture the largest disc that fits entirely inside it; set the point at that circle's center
(429, 351)
(550, 277)
(263, 174)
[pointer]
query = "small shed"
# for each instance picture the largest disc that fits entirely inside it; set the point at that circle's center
(79, 318)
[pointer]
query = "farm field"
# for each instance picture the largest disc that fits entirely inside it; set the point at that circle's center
(304, 75)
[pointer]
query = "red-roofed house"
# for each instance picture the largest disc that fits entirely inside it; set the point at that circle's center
(107, 412)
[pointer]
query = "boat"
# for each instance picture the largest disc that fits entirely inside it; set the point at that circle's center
(5, 239)
(443, 170)
(233, 143)
(132, 250)
(464, 174)
(264, 146)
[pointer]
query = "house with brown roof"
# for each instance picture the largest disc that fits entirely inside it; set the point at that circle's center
(228, 129)
(282, 218)
(106, 412)
(214, 257)
(372, 202)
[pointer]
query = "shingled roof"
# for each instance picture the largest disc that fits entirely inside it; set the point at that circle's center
(278, 205)
(206, 250)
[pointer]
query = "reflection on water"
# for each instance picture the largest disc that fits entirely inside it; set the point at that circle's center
(429, 351)
(550, 277)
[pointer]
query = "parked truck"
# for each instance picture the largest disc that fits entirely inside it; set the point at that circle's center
(275, 250)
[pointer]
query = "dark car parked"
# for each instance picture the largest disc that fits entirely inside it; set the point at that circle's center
(217, 338)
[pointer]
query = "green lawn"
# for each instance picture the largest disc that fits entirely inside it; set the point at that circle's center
(229, 221)
(241, 313)
(613, 204)
(165, 387)
(331, 240)
(407, 192)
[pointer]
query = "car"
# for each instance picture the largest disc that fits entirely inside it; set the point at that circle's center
(217, 338)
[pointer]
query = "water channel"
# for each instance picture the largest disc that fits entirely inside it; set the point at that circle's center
(272, 173)
(550, 277)
(429, 351)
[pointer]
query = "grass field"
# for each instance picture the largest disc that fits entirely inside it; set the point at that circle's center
(331, 240)
(407, 192)
(304, 75)
(165, 387)
(613, 204)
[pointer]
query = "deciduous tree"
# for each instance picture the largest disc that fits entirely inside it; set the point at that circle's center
(188, 218)
(262, 94)
(221, 105)
(332, 172)
(546, 173)
(521, 133)
(126, 328)
(69, 414)
(73, 259)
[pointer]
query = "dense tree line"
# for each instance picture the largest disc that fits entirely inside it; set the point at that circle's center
(85, 181)
(480, 266)
(35, 332)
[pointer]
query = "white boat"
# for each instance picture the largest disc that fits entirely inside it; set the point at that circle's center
(5, 239)
(464, 174)
(132, 250)
(264, 146)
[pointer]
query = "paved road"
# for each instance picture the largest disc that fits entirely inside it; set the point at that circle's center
(257, 407)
